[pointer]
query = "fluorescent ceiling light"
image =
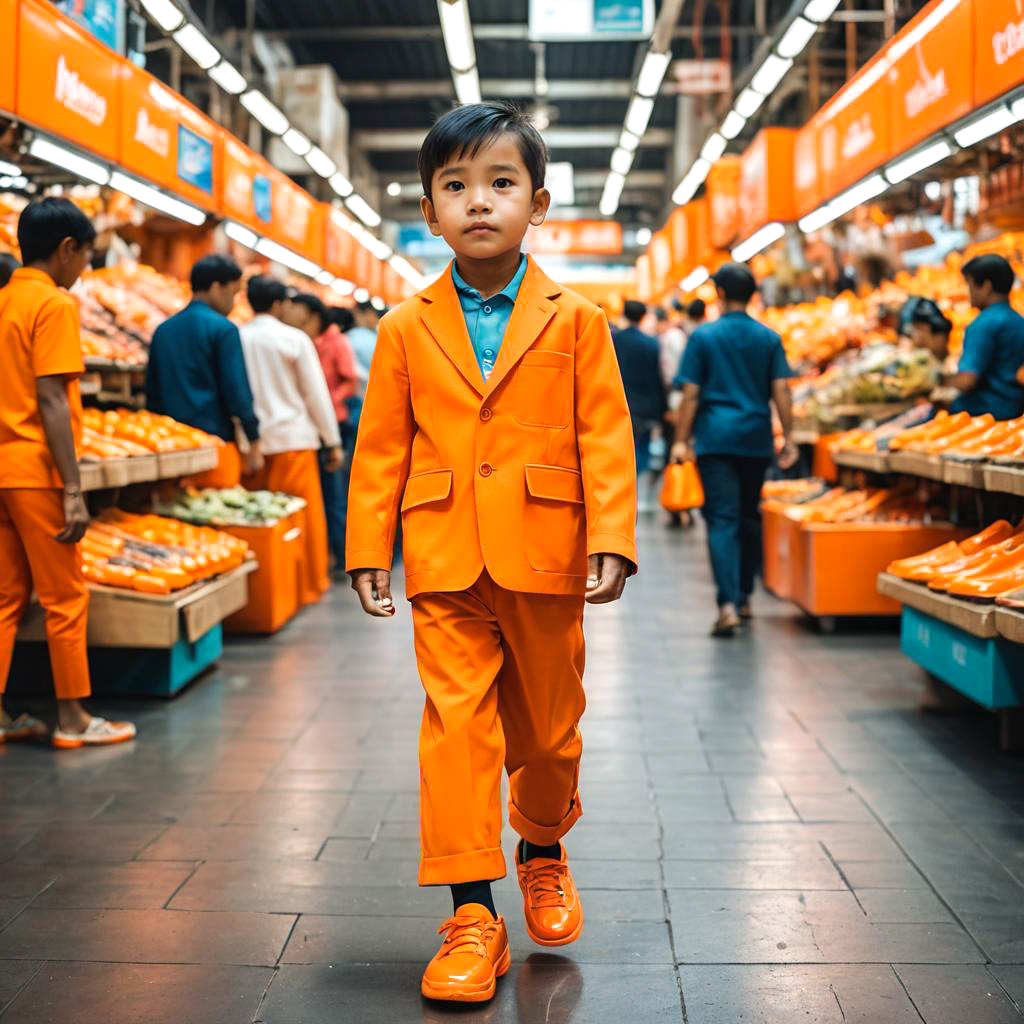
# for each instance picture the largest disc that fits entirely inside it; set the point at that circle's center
(628, 141)
(405, 269)
(643, 236)
(240, 234)
(748, 103)
(342, 286)
(157, 199)
(228, 77)
(458, 34)
(694, 279)
(820, 10)
(325, 277)
(43, 149)
(770, 73)
(361, 295)
(296, 142)
(691, 181)
(467, 85)
(10, 170)
(861, 193)
(913, 164)
(197, 46)
(1017, 109)
(638, 115)
(164, 13)
(340, 184)
(394, 189)
(933, 190)
(652, 71)
(264, 111)
(378, 304)
(363, 210)
(818, 219)
(985, 126)
(622, 161)
(612, 194)
(287, 258)
(321, 162)
(714, 147)
(795, 39)
(380, 249)
(758, 241)
(733, 124)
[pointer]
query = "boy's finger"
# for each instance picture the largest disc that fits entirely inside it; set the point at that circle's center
(364, 588)
(382, 584)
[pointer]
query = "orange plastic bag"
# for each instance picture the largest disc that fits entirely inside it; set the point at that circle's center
(681, 488)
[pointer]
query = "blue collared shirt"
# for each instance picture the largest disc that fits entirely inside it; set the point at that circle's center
(487, 319)
(994, 350)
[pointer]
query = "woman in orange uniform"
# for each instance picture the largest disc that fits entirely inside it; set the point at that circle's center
(42, 511)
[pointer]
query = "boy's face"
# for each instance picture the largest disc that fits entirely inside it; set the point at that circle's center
(483, 205)
(72, 259)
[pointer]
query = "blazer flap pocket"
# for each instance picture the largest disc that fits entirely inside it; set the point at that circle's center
(554, 483)
(548, 357)
(423, 488)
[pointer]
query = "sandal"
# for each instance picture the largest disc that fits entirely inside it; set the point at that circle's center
(98, 733)
(726, 625)
(23, 729)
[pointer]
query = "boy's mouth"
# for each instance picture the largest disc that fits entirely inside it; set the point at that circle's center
(479, 228)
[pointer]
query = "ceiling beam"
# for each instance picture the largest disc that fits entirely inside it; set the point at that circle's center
(394, 139)
(559, 89)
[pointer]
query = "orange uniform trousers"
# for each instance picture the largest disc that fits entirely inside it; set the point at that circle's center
(227, 472)
(298, 473)
(30, 518)
(503, 675)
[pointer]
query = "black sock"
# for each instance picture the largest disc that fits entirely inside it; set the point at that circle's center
(527, 851)
(473, 892)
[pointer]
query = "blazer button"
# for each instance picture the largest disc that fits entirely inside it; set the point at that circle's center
(486, 469)
(485, 414)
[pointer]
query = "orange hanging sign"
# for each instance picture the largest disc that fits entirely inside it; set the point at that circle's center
(68, 83)
(678, 237)
(339, 245)
(930, 72)
(294, 223)
(699, 230)
(643, 278)
(660, 251)
(998, 48)
(8, 53)
(247, 187)
(807, 177)
(583, 237)
(766, 182)
(723, 191)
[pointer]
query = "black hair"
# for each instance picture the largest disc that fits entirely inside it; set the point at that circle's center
(466, 130)
(8, 265)
(927, 312)
(634, 311)
(315, 305)
(367, 307)
(343, 317)
(263, 291)
(697, 309)
(991, 268)
(213, 269)
(660, 314)
(44, 224)
(735, 281)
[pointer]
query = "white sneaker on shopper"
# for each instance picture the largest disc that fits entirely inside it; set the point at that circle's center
(98, 733)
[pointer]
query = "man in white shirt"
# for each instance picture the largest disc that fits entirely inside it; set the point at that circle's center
(296, 416)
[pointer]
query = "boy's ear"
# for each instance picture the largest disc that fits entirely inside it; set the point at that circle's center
(541, 205)
(427, 209)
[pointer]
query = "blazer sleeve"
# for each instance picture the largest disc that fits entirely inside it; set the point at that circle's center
(604, 435)
(380, 465)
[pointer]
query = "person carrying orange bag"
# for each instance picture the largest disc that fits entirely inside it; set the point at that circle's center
(496, 426)
(681, 489)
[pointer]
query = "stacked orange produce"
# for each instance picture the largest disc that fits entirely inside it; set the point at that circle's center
(155, 555)
(121, 433)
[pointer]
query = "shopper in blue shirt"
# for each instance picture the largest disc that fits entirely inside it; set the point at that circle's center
(196, 372)
(993, 346)
(731, 372)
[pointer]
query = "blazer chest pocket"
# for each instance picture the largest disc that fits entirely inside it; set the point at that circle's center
(426, 522)
(544, 389)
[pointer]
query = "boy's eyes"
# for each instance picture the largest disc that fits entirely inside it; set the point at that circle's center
(458, 186)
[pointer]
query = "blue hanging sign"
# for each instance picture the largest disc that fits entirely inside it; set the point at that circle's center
(195, 160)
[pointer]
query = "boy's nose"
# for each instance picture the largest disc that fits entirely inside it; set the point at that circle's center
(479, 204)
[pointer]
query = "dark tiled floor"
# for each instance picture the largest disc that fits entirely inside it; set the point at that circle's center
(773, 833)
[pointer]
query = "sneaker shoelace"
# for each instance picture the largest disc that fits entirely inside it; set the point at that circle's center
(467, 935)
(546, 883)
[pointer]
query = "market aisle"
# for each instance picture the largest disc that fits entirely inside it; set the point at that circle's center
(772, 814)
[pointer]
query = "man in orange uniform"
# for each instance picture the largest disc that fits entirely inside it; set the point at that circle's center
(495, 423)
(42, 511)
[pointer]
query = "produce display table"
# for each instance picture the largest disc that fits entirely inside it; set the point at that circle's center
(872, 462)
(916, 464)
(980, 475)
(976, 618)
(109, 473)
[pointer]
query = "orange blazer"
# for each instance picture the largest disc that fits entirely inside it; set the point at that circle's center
(524, 475)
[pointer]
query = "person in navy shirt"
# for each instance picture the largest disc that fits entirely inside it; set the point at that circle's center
(993, 346)
(731, 372)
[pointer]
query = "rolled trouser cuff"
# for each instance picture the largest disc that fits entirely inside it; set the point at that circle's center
(474, 866)
(544, 835)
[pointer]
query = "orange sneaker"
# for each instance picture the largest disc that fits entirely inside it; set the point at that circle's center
(552, 907)
(473, 955)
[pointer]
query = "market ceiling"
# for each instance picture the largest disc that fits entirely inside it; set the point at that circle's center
(394, 79)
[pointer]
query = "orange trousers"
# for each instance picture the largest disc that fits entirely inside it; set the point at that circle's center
(298, 473)
(29, 520)
(503, 675)
(227, 472)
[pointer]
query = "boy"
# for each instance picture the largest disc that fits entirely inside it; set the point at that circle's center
(495, 422)
(42, 511)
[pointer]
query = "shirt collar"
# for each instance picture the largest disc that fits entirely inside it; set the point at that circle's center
(510, 291)
(32, 274)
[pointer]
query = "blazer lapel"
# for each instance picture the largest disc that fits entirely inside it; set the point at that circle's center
(443, 317)
(533, 311)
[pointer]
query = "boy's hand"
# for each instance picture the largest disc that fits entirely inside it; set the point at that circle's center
(374, 589)
(606, 578)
